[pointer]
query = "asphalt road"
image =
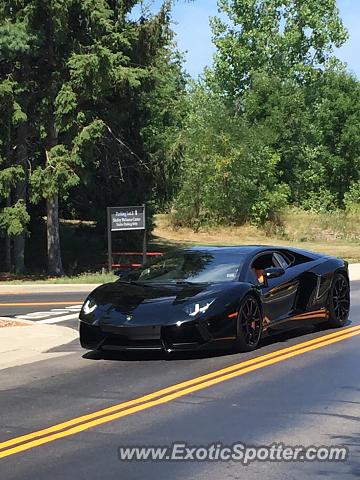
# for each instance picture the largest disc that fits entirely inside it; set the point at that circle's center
(49, 308)
(306, 397)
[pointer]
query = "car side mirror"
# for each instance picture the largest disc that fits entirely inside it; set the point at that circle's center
(120, 272)
(273, 272)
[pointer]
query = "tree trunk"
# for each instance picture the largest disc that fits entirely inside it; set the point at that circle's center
(52, 202)
(21, 194)
(52, 205)
(52, 224)
(8, 265)
(8, 253)
(53, 237)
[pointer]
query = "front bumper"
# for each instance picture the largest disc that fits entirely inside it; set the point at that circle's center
(191, 336)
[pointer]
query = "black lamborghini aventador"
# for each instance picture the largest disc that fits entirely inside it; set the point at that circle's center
(205, 297)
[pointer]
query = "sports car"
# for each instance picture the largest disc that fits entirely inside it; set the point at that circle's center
(216, 297)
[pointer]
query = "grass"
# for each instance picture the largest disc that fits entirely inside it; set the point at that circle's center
(93, 278)
(332, 235)
(85, 250)
(301, 226)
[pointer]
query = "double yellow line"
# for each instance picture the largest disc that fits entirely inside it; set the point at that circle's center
(79, 424)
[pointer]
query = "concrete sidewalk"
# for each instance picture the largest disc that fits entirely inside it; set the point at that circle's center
(354, 271)
(30, 343)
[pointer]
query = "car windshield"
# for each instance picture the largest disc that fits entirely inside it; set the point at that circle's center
(196, 267)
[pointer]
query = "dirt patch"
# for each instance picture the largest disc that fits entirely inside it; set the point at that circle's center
(13, 323)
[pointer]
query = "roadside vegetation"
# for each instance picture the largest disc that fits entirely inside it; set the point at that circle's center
(332, 234)
(335, 234)
(295, 226)
(85, 278)
(96, 110)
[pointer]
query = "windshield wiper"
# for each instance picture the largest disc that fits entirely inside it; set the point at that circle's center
(134, 282)
(152, 283)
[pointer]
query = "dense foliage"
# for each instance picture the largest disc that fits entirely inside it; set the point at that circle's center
(89, 101)
(95, 110)
(276, 121)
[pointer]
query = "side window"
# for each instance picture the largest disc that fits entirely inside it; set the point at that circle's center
(296, 258)
(264, 261)
(282, 261)
(261, 263)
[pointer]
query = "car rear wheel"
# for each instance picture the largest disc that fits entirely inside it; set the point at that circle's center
(339, 301)
(249, 327)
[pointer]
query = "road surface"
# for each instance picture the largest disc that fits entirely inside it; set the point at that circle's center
(49, 308)
(301, 388)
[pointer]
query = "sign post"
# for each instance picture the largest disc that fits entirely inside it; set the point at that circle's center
(121, 219)
(110, 260)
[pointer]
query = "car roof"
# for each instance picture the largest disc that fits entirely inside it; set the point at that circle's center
(229, 249)
(250, 249)
(223, 248)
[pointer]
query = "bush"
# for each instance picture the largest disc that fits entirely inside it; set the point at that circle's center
(229, 175)
(352, 198)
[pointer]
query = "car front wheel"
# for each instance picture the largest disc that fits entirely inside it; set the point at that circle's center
(249, 326)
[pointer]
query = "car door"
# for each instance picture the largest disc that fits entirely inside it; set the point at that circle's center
(278, 294)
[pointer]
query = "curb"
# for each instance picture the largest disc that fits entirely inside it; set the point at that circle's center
(354, 272)
(47, 288)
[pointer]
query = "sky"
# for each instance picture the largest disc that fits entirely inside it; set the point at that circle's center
(191, 24)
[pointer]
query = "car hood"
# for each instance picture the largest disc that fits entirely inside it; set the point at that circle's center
(121, 302)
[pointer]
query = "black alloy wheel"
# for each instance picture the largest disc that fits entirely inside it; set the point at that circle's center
(339, 302)
(249, 325)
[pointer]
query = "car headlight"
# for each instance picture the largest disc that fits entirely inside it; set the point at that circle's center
(199, 307)
(89, 306)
